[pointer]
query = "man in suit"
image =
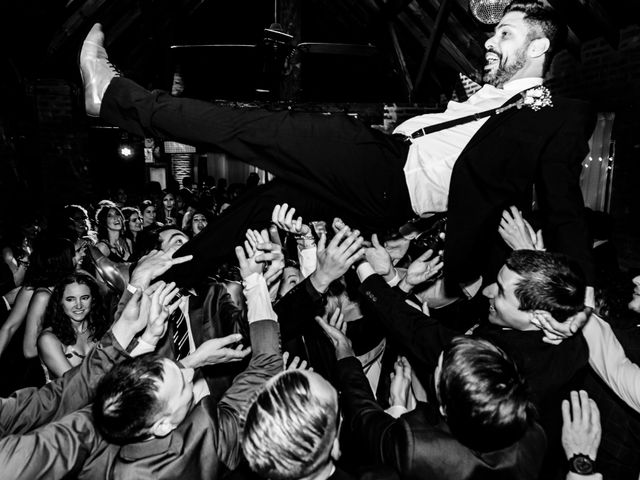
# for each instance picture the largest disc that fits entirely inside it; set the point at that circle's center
(168, 426)
(328, 164)
(482, 424)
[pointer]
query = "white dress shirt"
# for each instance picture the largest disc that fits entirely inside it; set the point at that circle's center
(431, 157)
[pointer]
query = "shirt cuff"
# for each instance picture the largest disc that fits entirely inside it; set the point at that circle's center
(132, 289)
(395, 280)
(396, 411)
(364, 271)
(258, 299)
(308, 260)
(577, 476)
(141, 348)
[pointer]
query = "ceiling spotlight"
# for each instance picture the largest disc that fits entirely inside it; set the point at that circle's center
(125, 151)
(488, 11)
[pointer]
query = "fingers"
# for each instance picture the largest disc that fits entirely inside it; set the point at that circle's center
(229, 339)
(566, 412)
(288, 220)
(275, 214)
(375, 241)
(322, 243)
(576, 411)
(241, 256)
(337, 321)
(425, 256)
(595, 419)
(274, 236)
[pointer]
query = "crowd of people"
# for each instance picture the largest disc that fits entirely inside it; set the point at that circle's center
(332, 323)
(316, 353)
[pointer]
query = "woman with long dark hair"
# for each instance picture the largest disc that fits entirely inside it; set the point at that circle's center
(168, 214)
(74, 322)
(111, 240)
(132, 224)
(52, 259)
(149, 214)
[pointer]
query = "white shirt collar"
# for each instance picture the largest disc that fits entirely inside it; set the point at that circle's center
(522, 84)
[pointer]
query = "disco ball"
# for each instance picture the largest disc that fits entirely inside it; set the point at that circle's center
(488, 11)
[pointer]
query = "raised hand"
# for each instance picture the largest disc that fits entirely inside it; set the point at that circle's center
(555, 332)
(379, 258)
(400, 382)
(154, 264)
(295, 364)
(581, 429)
(283, 217)
(518, 233)
(336, 329)
(160, 305)
(335, 258)
(247, 261)
(421, 269)
(217, 350)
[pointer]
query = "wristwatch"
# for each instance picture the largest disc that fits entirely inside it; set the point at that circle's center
(582, 464)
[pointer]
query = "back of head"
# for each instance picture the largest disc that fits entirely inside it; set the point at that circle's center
(550, 282)
(485, 399)
(546, 23)
(289, 430)
(126, 401)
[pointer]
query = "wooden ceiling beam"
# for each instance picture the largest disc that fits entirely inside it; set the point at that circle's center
(425, 23)
(434, 42)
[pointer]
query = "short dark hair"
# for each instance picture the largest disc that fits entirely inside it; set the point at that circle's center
(289, 431)
(547, 23)
(485, 399)
(126, 401)
(550, 282)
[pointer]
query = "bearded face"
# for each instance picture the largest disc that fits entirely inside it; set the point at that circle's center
(507, 50)
(500, 68)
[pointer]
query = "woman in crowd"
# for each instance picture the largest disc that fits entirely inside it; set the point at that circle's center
(168, 213)
(148, 211)
(196, 223)
(74, 323)
(132, 223)
(111, 240)
(52, 259)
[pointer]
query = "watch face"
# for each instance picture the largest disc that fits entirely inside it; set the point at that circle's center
(582, 464)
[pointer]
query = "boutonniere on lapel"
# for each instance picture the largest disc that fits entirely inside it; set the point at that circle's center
(537, 98)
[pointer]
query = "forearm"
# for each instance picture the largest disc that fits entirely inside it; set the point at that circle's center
(29, 408)
(420, 335)
(51, 452)
(608, 359)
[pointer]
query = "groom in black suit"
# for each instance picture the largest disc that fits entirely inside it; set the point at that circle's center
(329, 165)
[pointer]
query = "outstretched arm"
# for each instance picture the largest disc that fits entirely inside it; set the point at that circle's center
(608, 359)
(52, 451)
(30, 408)
(266, 359)
(422, 336)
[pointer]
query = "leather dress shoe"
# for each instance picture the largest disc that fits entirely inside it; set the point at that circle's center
(95, 69)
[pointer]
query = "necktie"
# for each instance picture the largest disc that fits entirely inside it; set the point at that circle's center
(180, 332)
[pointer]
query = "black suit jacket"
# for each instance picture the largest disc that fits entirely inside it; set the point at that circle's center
(547, 368)
(419, 444)
(499, 167)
